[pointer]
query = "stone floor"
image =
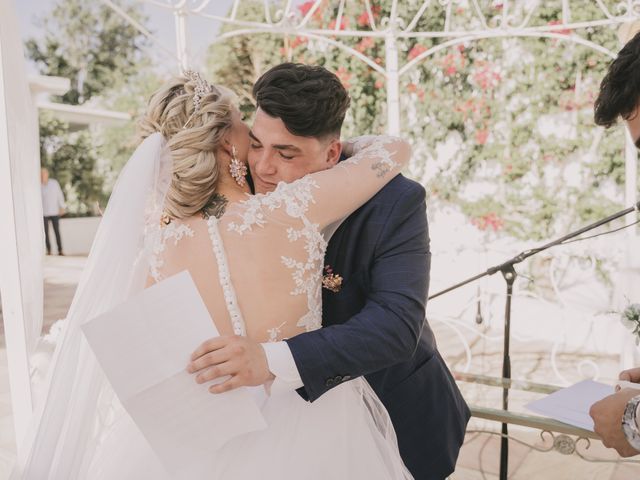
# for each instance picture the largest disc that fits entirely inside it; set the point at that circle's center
(61, 277)
(479, 458)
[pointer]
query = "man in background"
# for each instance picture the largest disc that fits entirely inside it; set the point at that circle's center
(52, 208)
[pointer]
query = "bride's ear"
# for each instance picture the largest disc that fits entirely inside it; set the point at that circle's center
(333, 152)
(225, 147)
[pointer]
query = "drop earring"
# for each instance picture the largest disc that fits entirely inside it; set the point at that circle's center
(237, 169)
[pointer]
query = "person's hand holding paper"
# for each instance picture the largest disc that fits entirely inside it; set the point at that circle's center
(593, 406)
(607, 415)
(571, 405)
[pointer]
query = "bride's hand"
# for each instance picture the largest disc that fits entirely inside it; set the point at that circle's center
(244, 360)
(347, 148)
(351, 146)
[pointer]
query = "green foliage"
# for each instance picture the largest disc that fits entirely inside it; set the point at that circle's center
(130, 95)
(487, 101)
(496, 94)
(71, 159)
(238, 62)
(101, 54)
(88, 43)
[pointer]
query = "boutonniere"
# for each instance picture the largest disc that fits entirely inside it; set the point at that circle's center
(331, 281)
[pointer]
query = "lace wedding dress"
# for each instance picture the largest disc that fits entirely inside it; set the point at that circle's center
(259, 271)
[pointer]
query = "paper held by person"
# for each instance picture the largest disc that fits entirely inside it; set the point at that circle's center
(144, 346)
(571, 405)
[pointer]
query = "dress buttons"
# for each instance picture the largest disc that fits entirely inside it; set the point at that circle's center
(330, 382)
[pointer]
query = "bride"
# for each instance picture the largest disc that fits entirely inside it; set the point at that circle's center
(182, 203)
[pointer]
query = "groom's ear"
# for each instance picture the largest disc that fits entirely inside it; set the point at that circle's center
(333, 152)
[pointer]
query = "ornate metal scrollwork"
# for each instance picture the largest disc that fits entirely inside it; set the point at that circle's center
(559, 442)
(564, 444)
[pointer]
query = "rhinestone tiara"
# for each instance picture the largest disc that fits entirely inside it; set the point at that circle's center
(202, 88)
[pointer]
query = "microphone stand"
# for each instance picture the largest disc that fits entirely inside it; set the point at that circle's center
(509, 274)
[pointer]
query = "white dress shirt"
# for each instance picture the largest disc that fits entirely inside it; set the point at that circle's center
(283, 367)
(52, 198)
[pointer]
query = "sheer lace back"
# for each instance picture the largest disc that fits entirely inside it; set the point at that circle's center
(263, 260)
(274, 252)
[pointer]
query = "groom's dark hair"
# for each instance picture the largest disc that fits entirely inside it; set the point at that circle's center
(309, 99)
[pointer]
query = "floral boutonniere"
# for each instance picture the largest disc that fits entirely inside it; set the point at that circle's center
(331, 281)
(630, 318)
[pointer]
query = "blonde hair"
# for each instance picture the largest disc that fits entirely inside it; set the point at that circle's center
(193, 149)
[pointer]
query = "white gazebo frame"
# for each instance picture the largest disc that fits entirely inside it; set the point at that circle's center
(513, 19)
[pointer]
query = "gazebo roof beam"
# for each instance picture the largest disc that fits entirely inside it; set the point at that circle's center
(49, 84)
(140, 27)
(82, 115)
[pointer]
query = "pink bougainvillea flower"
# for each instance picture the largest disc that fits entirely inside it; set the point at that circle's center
(482, 136)
(363, 19)
(365, 44)
(305, 7)
(344, 76)
(344, 24)
(416, 50)
(562, 31)
(490, 221)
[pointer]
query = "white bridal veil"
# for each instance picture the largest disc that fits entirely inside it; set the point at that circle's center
(66, 427)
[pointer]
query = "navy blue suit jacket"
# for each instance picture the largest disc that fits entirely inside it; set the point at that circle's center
(375, 326)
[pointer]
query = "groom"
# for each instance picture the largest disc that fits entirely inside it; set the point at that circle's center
(375, 284)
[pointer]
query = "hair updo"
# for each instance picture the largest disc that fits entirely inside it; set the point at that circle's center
(193, 149)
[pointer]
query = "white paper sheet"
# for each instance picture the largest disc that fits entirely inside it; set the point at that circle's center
(144, 346)
(571, 405)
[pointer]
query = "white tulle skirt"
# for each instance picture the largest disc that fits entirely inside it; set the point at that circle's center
(346, 434)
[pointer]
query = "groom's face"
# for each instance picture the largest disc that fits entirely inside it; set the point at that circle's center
(277, 155)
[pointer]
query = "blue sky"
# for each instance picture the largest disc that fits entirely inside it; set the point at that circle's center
(161, 22)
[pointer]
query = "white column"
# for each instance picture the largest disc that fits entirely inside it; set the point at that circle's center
(393, 83)
(630, 271)
(21, 230)
(631, 174)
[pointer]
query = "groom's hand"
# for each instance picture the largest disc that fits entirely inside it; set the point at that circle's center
(238, 357)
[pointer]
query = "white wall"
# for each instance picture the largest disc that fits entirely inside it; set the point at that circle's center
(77, 235)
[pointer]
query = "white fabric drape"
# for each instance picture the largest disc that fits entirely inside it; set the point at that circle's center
(21, 229)
(62, 436)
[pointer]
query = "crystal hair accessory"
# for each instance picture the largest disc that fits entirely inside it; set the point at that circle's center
(237, 169)
(202, 88)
